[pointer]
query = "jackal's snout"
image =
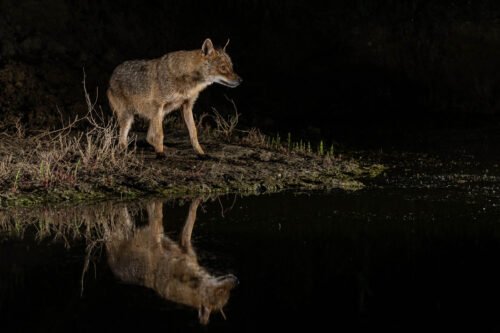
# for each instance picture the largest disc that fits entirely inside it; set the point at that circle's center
(239, 80)
(231, 82)
(229, 279)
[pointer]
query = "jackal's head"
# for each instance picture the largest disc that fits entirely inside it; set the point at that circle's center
(218, 66)
(215, 294)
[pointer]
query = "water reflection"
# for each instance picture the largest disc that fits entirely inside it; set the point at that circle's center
(137, 253)
(397, 260)
(146, 256)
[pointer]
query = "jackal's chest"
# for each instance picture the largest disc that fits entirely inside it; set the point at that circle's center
(176, 98)
(173, 102)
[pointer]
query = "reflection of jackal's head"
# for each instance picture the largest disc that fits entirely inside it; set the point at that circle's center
(218, 66)
(145, 256)
(215, 295)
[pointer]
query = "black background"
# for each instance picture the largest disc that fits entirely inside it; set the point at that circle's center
(378, 74)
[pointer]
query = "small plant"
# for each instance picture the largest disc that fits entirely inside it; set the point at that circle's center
(226, 127)
(320, 148)
(254, 137)
(75, 172)
(201, 127)
(20, 130)
(16, 181)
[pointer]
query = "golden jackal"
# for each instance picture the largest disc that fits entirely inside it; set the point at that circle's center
(154, 88)
(149, 258)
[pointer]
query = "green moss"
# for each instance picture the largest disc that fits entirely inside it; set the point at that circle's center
(375, 170)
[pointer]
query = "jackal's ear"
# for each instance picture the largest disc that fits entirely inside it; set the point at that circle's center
(208, 47)
(227, 43)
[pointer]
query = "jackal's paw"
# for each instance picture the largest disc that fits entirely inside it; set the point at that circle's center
(197, 149)
(122, 147)
(161, 156)
(203, 157)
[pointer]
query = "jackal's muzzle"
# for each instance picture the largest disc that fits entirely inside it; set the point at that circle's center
(231, 83)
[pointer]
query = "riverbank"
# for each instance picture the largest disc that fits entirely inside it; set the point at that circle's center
(69, 165)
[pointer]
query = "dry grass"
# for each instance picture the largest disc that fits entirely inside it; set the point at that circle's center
(225, 127)
(254, 137)
(51, 158)
(66, 224)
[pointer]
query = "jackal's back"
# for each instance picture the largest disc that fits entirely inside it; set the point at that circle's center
(134, 77)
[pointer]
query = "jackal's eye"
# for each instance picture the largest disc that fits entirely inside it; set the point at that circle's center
(224, 69)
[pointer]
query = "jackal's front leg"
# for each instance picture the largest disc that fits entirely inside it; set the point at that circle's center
(187, 112)
(187, 231)
(155, 134)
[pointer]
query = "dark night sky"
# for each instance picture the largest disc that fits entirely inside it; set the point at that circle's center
(367, 73)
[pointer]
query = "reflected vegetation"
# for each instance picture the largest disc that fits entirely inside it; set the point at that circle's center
(139, 254)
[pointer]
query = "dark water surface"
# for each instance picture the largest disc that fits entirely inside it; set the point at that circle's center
(389, 259)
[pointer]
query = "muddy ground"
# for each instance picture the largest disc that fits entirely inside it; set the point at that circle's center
(232, 166)
(33, 172)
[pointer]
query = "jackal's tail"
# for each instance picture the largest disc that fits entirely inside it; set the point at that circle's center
(112, 101)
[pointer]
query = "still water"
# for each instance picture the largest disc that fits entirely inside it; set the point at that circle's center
(388, 259)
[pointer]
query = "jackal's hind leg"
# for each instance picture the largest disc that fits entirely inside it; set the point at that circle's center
(125, 123)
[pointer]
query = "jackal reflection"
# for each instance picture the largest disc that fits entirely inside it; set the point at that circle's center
(146, 256)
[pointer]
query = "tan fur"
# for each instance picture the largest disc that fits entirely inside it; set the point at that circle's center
(154, 88)
(149, 258)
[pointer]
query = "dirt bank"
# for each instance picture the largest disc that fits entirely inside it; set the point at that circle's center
(83, 166)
